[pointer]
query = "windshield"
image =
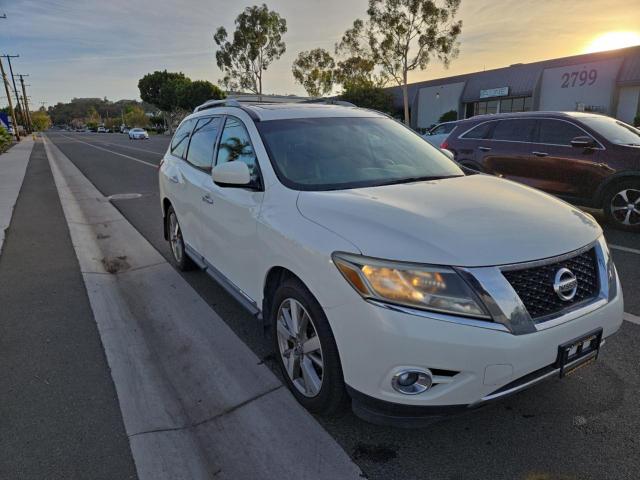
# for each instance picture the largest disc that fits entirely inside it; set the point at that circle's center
(338, 153)
(614, 130)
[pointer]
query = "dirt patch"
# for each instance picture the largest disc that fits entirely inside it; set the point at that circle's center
(116, 264)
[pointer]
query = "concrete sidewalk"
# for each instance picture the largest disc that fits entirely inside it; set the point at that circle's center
(196, 402)
(13, 165)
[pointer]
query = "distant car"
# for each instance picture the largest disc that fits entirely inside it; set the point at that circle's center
(138, 134)
(585, 158)
(102, 130)
(438, 134)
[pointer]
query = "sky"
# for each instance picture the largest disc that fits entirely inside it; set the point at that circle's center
(87, 48)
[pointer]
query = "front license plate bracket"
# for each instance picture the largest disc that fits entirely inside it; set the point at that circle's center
(578, 352)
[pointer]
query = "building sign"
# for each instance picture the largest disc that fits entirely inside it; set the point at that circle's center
(494, 92)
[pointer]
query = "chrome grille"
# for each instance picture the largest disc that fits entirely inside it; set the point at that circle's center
(534, 285)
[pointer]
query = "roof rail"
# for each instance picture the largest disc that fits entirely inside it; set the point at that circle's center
(227, 103)
(331, 101)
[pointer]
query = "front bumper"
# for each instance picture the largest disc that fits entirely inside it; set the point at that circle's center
(472, 365)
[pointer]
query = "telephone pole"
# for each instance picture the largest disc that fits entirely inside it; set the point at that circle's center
(13, 115)
(15, 89)
(26, 103)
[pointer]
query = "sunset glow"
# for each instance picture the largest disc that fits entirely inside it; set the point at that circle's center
(612, 41)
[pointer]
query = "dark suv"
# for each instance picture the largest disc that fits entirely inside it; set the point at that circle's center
(587, 159)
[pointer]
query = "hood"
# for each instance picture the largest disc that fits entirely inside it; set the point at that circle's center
(471, 221)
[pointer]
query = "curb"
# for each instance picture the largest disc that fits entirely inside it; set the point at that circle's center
(196, 402)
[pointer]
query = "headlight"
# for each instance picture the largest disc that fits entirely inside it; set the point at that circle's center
(612, 277)
(439, 289)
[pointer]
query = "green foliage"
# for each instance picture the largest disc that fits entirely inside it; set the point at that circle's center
(357, 69)
(256, 43)
(314, 71)
(160, 88)
(135, 117)
(5, 140)
(195, 93)
(449, 116)
(403, 35)
(368, 95)
(40, 121)
(636, 121)
(78, 108)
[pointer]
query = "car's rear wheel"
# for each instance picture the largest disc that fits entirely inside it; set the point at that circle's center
(176, 242)
(305, 349)
(622, 205)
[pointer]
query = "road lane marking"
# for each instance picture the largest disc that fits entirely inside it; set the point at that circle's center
(126, 146)
(149, 164)
(625, 249)
(629, 317)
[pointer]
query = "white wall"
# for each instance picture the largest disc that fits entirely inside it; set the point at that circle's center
(628, 101)
(563, 88)
(434, 101)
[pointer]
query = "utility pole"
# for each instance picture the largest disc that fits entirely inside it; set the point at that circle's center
(13, 115)
(15, 89)
(26, 103)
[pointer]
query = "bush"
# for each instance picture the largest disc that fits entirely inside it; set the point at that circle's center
(636, 121)
(5, 140)
(449, 116)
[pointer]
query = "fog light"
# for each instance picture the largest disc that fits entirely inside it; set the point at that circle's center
(412, 382)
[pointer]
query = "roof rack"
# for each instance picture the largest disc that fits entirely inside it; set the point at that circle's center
(227, 103)
(331, 101)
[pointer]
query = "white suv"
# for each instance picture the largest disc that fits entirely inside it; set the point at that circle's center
(388, 276)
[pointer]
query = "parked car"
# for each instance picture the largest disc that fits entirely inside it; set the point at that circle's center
(138, 134)
(102, 130)
(388, 277)
(585, 158)
(438, 133)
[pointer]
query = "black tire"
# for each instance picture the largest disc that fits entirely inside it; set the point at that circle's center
(180, 258)
(614, 197)
(332, 397)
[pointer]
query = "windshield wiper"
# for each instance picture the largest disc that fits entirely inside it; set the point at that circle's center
(416, 179)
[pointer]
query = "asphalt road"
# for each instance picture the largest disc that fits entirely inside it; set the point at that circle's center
(586, 426)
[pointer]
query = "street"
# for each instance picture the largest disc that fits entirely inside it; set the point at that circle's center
(584, 426)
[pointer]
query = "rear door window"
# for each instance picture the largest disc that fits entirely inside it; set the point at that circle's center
(558, 132)
(203, 140)
(181, 138)
(516, 130)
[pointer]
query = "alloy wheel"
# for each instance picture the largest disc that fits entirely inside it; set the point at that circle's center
(175, 237)
(625, 207)
(300, 347)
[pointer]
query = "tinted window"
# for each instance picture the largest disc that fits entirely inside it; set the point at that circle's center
(514, 130)
(339, 153)
(203, 140)
(235, 145)
(181, 138)
(442, 129)
(556, 132)
(613, 130)
(479, 132)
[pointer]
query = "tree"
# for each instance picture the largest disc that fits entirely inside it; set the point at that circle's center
(368, 95)
(160, 88)
(40, 120)
(134, 116)
(357, 70)
(449, 116)
(257, 42)
(403, 35)
(314, 71)
(195, 93)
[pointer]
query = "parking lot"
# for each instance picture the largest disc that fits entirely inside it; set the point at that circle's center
(585, 426)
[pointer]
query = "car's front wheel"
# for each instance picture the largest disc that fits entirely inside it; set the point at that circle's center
(622, 205)
(176, 242)
(306, 350)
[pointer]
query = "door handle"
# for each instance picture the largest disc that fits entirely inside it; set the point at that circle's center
(174, 179)
(484, 149)
(540, 154)
(207, 199)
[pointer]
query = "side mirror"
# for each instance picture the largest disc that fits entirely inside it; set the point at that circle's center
(232, 174)
(583, 142)
(449, 154)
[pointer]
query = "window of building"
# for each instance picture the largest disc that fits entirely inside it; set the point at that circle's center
(507, 105)
(516, 130)
(557, 132)
(203, 140)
